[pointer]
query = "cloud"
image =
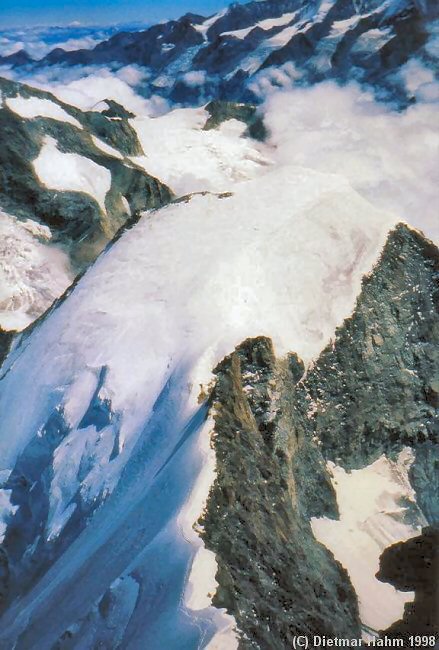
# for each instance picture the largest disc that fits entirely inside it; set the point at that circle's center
(86, 86)
(269, 80)
(420, 81)
(195, 78)
(9, 47)
(390, 157)
(84, 43)
(39, 41)
(133, 75)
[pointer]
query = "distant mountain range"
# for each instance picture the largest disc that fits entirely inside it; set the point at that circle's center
(240, 53)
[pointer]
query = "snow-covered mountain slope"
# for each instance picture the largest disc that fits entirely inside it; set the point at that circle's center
(77, 177)
(196, 449)
(111, 379)
(243, 52)
(32, 273)
(372, 505)
(189, 158)
(69, 172)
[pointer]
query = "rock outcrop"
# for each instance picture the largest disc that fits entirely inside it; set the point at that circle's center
(374, 388)
(414, 566)
(371, 392)
(274, 577)
(220, 112)
(76, 220)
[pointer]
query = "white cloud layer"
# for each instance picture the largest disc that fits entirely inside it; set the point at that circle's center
(390, 157)
(39, 41)
(86, 86)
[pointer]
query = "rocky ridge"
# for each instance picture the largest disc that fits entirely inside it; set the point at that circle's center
(77, 221)
(276, 427)
(273, 576)
(272, 425)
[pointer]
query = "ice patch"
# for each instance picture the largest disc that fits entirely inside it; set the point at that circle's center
(342, 26)
(7, 510)
(126, 205)
(32, 274)
(266, 25)
(373, 506)
(32, 107)
(204, 26)
(189, 159)
(70, 172)
(283, 37)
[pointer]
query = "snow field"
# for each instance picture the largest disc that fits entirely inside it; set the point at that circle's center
(70, 172)
(32, 273)
(372, 505)
(32, 107)
(189, 159)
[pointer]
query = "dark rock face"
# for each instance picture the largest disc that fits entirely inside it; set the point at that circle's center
(240, 16)
(222, 111)
(274, 577)
(414, 566)
(75, 218)
(17, 59)
(6, 339)
(424, 476)
(145, 47)
(363, 41)
(372, 391)
(116, 110)
(405, 33)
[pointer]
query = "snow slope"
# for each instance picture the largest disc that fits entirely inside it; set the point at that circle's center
(373, 515)
(266, 24)
(290, 268)
(31, 107)
(71, 172)
(103, 146)
(282, 256)
(189, 159)
(32, 273)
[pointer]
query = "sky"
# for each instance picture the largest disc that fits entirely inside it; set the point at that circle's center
(16, 13)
